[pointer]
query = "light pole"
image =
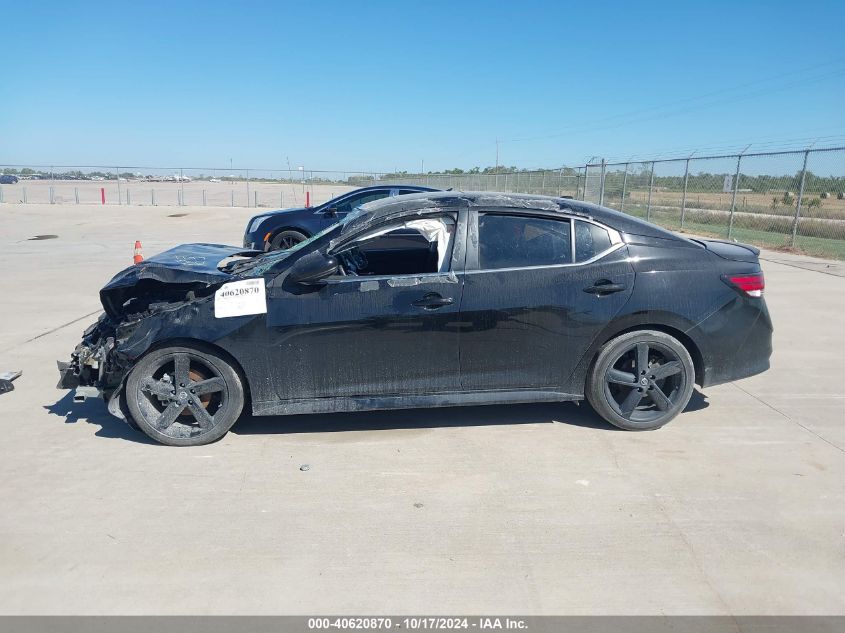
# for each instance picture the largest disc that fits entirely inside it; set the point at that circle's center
(496, 186)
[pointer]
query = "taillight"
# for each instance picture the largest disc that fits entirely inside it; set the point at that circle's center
(752, 285)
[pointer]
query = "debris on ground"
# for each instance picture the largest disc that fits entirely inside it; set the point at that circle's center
(6, 379)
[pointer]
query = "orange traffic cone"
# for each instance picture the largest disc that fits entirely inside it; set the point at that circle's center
(139, 256)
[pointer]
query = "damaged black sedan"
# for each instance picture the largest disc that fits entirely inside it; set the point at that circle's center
(431, 299)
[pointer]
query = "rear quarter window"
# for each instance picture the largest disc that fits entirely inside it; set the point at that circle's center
(590, 240)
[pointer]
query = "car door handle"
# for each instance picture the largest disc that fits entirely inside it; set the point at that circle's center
(432, 301)
(604, 287)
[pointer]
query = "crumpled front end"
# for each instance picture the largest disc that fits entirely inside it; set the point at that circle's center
(95, 368)
(112, 346)
(161, 296)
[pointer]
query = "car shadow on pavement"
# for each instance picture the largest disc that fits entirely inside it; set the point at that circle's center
(508, 414)
(94, 411)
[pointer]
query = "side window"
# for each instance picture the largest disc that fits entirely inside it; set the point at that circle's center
(510, 241)
(404, 192)
(590, 240)
(419, 246)
(354, 201)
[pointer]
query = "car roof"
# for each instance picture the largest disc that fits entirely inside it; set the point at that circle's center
(383, 209)
(392, 186)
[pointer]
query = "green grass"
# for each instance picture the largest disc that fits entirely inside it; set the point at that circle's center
(830, 248)
(772, 229)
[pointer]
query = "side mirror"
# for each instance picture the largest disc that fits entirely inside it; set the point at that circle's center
(312, 269)
(330, 212)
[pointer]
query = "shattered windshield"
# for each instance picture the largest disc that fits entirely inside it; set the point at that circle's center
(260, 264)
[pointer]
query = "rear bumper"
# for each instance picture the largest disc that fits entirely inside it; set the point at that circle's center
(741, 342)
(720, 375)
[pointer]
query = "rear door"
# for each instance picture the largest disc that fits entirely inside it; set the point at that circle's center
(538, 288)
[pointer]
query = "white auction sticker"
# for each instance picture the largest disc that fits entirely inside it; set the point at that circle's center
(240, 298)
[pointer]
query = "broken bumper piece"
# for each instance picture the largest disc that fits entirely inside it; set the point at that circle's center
(6, 379)
(68, 379)
(88, 373)
(81, 394)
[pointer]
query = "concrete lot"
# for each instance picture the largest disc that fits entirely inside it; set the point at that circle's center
(737, 507)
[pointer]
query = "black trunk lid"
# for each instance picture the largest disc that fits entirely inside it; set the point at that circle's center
(733, 251)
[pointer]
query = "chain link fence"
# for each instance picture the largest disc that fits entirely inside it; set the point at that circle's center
(783, 200)
(545, 182)
(786, 200)
(179, 186)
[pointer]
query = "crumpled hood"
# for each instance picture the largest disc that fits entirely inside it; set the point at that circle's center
(188, 264)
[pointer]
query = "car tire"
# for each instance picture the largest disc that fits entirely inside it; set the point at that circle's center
(641, 380)
(286, 239)
(184, 396)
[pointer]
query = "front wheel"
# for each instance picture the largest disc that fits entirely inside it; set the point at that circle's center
(641, 380)
(183, 396)
(285, 240)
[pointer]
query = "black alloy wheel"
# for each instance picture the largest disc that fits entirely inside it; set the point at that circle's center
(285, 240)
(183, 396)
(641, 380)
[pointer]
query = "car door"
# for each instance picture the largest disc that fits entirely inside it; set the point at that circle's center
(370, 335)
(532, 305)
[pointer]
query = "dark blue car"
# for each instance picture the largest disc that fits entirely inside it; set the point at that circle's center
(282, 229)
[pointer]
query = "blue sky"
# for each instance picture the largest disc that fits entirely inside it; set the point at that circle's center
(386, 85)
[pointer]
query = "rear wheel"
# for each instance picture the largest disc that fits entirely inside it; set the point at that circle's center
(183, 396)
(285, 240)
(641, 380)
